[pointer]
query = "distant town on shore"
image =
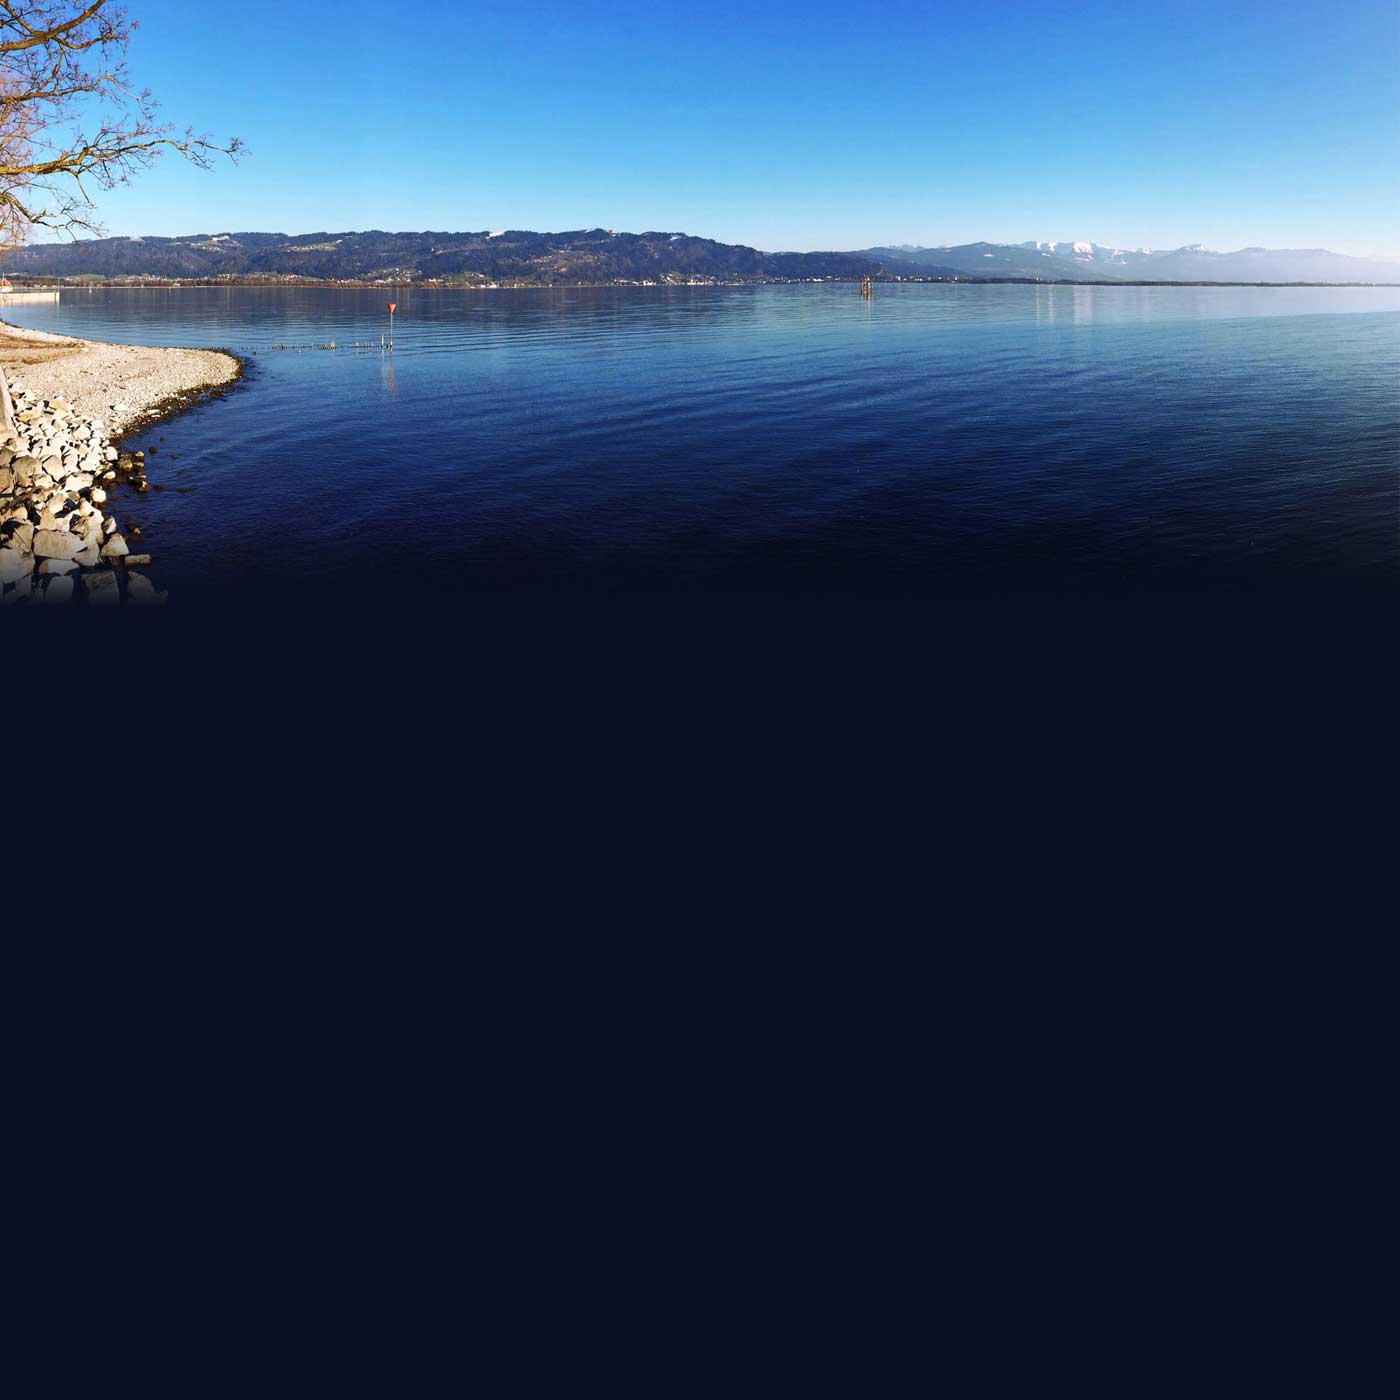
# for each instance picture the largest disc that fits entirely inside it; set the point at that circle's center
(604, 257)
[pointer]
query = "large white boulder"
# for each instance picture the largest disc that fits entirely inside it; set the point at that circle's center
(57, 544)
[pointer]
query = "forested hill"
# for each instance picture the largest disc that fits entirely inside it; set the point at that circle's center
(591, 255)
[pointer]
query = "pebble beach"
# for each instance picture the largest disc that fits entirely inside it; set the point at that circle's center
(70, 403)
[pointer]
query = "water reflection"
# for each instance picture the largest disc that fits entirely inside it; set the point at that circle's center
(954, 437)
(443, 321)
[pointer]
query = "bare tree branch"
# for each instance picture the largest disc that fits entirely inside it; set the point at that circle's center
(62, 61)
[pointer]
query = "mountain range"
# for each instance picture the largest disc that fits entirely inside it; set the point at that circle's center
(1194, 263)
(603, 255)
(509, 256)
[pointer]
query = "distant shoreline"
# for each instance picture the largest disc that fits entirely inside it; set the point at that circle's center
(281, 284)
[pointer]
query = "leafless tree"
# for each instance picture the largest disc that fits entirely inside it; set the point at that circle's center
(70, 121)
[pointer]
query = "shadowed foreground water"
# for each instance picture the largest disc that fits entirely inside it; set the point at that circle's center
(932, 442)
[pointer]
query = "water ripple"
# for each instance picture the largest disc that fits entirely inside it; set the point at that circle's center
(934, 439)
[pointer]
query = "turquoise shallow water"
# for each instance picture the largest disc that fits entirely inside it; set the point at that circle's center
(934, 441)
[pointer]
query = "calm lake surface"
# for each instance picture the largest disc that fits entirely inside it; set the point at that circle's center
(935, 441)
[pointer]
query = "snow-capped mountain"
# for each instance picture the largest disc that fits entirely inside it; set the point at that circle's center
(1078, 250)
(1082, 260)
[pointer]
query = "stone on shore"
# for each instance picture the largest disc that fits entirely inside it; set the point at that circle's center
(15, 565)
(101, 588)
(57, 544)
(141, 592)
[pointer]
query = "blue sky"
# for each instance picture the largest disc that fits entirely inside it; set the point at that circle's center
(816, 125)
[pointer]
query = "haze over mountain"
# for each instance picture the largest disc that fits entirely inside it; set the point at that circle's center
(604, 255)
(1194, 263)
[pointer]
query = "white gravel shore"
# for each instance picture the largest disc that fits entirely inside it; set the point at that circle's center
(119, 384)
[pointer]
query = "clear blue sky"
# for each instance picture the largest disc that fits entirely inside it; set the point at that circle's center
(824, 124)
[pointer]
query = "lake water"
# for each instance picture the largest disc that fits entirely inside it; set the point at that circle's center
(934, 441)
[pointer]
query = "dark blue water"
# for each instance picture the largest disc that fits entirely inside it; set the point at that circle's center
(935, 441)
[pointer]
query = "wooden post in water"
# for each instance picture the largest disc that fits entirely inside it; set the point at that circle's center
(865, 287)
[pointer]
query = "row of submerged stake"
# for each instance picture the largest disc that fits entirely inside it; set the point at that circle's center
(317, 345)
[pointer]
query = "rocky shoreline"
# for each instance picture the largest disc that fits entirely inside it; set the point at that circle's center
(60, 461)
